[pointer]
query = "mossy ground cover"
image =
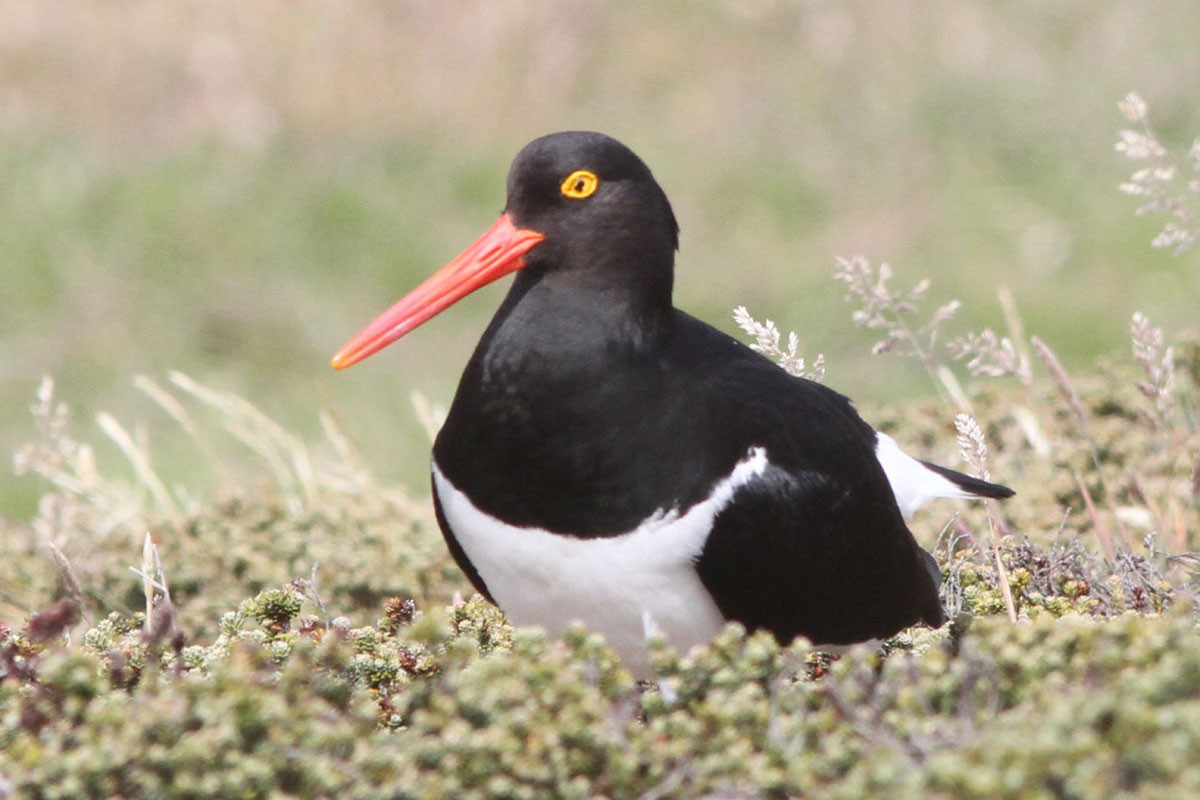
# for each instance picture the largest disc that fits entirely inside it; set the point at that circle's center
(461, 706)
(316, 643)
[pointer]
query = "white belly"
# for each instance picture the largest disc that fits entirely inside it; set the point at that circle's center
(617, 586)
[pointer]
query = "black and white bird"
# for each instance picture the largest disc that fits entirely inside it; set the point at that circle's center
(612, 460)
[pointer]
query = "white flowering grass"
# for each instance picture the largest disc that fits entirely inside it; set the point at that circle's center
(1167, 184)
(767, 341)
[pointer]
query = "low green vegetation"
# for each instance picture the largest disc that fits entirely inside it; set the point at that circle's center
(304, 636)
(453, 704)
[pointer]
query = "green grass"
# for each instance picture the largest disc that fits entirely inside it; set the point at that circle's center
(179, 193)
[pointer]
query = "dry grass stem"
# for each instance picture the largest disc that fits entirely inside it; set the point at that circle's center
(139, 458)
(1031, 429)
(154, 580)
(1098, 521)
(767, 341)
(176, 410)
(350, 471)
(1063, 382)
(882, 308)
(283, 453)
(973, 451)
(69, 577)
(1016, 329)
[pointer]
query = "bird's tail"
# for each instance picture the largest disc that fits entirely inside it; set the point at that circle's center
(915, 482)
(971, 487)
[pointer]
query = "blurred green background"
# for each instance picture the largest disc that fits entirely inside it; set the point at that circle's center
(233, 189)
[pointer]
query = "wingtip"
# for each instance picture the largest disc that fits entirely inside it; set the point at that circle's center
(977, 487)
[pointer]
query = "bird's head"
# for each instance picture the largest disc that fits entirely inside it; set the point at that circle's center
(581, 206)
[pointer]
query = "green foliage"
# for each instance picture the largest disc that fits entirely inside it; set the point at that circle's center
(229, 666)
(1053, 707)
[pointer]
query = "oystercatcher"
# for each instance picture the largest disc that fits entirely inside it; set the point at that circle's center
(611, 459)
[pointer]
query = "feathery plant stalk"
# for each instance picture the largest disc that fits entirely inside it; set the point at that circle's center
(990, 355)
(54, 455)
(1159, 365)
(1166, 186)
(881, 308)
(884, 309)
(1168, 414)
(972, 448)
(766, 341)
(1167, 189)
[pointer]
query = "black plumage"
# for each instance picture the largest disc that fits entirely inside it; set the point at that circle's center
(594, 410)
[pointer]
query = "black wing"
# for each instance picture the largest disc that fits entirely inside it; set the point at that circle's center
(801, 554)
(817, 545)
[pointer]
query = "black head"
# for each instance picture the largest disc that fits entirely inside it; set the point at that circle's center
(582, 211)
(598, 206)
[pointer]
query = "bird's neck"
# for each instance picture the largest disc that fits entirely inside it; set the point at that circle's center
(575, 317)
(551, 347)
(548, 384)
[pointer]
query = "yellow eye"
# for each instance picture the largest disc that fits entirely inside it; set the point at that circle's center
(580, 184)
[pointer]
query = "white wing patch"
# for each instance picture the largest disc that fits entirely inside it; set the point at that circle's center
(614, 584)
(912, 482)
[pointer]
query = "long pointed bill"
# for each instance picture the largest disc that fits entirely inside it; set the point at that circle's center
(493, 255)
